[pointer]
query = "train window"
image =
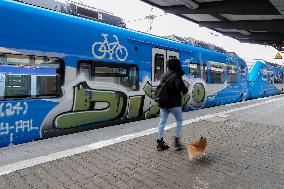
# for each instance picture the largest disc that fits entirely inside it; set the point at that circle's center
(268, 75)
(264, 73)
(243, 71)
(232, 73)
(204, 73)
(158, 66)
(198, 71)
(17, 86)
(195, 70)
(85, 69)
(217, 73)
(278, 78)
(23, 76)
(271, 78)
(121, 74)
(3, 58)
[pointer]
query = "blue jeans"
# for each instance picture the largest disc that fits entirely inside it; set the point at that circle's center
(164, 114)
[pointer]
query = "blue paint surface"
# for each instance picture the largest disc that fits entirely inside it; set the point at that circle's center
(21, 120)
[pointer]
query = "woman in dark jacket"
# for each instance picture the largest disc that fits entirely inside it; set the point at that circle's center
(171, 103)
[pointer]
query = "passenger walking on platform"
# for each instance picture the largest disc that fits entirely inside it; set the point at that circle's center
(169, 94)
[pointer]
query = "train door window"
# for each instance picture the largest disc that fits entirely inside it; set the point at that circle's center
(172, 57)
(232, 73)
(121, 74)
(217, 73)
(22, 77)
(159, 61)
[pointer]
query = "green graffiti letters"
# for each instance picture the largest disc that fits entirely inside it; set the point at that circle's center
(149, 90)
(154, 109)
(85, 110)
(94, 106)
(135, 107)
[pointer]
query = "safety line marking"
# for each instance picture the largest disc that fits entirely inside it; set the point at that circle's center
(6, 169)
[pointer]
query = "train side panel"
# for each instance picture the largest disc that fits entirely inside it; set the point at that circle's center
(61, 74)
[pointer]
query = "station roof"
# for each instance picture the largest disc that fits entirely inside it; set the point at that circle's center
(252, 21)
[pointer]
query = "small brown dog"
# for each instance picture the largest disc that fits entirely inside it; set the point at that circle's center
(197, 148)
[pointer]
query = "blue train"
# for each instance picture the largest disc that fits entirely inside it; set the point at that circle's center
(61, 74)
(265, 79)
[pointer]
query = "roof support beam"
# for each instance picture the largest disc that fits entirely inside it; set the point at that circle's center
(243, 7)
(262, 36)
(264, 25)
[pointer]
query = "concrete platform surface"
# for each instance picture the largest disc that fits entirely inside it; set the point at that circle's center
(245, 150)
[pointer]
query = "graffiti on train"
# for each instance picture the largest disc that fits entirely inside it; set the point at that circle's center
(96, 106)
(21, 121)
(91, 106)
(9, 109)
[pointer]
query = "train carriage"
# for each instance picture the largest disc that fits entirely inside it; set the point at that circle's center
(61, 74)
(265, 79)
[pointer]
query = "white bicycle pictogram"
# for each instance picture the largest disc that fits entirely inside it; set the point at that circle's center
(100, 49)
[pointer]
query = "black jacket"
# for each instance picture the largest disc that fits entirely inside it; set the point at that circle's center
(175, 87)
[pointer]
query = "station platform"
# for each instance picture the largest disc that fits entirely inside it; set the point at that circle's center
(245, 150)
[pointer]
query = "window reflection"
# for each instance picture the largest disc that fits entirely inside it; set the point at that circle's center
(232, 73)
(23, 76)
(217, 73)
(121, 74)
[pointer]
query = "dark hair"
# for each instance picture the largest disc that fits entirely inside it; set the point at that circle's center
(174, 65)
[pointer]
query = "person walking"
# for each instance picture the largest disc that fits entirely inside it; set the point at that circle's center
(170, 102)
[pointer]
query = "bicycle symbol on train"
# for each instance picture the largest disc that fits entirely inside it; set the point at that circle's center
(100, 49)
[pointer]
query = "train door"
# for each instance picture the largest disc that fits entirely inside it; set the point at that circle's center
(159, 58)
(217, 83)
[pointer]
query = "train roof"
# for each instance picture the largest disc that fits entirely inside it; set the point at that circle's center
(83, 26)
(270, 63)
(77, 9)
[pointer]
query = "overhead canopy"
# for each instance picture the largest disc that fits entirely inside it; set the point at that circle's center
(252, 21)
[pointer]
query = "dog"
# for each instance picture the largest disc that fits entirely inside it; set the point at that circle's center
(197, 149)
